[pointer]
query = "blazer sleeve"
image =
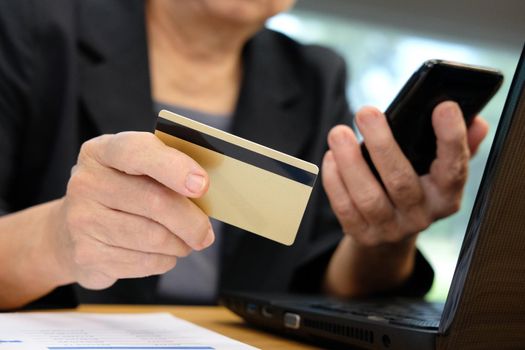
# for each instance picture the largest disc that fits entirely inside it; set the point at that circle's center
(309, 276)
(16, 58)
(15, 67)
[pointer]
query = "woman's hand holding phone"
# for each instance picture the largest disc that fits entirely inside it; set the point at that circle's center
(381, 220)
(406, 203)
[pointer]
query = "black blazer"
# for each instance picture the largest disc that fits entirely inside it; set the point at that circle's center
(74, 69)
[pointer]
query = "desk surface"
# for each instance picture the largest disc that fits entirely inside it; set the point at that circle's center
(215, 318)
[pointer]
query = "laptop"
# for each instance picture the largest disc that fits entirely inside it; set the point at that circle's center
(485, 307)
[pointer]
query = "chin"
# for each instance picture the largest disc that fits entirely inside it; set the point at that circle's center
(246, 11)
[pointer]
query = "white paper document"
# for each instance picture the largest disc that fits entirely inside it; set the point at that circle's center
(83, 331)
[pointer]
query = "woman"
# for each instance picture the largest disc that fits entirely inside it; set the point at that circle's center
(73, 70)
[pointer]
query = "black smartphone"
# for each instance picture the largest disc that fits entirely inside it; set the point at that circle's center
(409, 115)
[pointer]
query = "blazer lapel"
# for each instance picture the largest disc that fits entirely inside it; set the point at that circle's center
(270, 92)
(114, 73)
(269, 113)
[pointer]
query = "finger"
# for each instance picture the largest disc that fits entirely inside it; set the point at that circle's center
(399, 177)
(476, 133)
(364, 190)
(143, 196)
(96, 280)
(119, 263)
(142, 153)
(450, 168)
(349, 217)
(133, 232)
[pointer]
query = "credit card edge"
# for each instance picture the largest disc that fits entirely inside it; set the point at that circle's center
(277, 155)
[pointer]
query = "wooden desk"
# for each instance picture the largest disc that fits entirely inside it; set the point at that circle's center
(215, 318)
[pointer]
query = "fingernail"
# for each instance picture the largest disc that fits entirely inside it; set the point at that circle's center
(449, 109)
(369, 118)
(339, 138)
(195, 183)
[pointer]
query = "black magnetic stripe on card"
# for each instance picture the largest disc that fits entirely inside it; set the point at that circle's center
(231, 150)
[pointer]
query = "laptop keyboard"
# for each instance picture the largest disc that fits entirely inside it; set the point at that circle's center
(418, 314)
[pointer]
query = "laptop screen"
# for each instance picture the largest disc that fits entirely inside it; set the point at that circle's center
(441, 243)
(488, 282)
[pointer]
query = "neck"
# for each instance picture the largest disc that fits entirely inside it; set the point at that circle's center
(195, 59)
(188, 29)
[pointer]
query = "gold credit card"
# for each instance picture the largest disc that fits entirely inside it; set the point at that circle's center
(253, 187)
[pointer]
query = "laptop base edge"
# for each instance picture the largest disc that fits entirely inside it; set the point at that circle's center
(277, 314)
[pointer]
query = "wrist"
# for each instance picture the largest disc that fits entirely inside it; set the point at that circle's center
(392, 263)
(30, 268)
(357, 270)
(393, 251)
(51, 246)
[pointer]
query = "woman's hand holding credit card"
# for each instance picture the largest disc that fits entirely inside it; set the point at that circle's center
(127, 211)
